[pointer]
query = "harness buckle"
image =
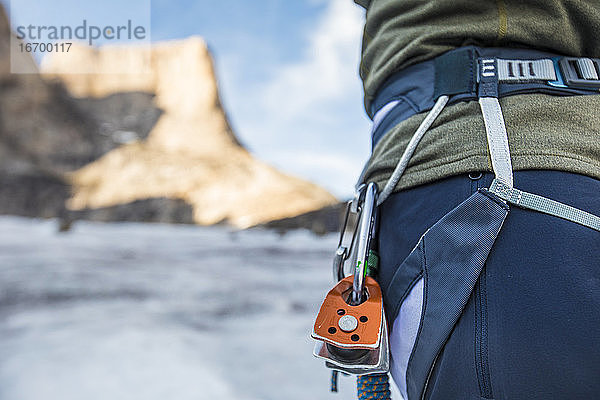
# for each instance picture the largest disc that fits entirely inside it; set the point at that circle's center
(580, 72)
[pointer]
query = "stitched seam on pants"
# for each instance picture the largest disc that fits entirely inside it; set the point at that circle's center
(481, 339)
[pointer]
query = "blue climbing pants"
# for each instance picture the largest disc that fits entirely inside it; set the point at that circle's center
(519, 318)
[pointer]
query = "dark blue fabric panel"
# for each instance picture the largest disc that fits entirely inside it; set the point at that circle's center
(543, 290)
(404, 279)
(456, 248)
(531, 331)
(411, 213)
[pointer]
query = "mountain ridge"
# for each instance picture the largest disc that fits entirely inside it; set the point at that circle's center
(157, 134)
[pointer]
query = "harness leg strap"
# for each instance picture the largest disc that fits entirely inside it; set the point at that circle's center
(543, 204)
(497, 139)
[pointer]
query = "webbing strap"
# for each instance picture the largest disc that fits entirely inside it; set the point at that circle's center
(586, 66)
(490, 73)
(497, 139)
(495, 128)
(526, 70)
(545, 205)
(457, 74)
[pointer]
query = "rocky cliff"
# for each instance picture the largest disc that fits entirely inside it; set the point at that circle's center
(43, 134)
(155, 132)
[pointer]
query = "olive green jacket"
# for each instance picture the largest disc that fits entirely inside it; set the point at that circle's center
(545, 132)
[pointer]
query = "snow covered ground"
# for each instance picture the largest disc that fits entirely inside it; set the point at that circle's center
(150, 311)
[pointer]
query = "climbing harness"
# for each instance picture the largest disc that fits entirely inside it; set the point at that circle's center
(429, 290)
(456, 74)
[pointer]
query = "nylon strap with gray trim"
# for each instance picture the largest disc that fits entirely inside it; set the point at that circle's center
(415, 89)
(497, 139)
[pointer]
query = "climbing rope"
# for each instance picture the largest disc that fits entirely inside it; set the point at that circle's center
(410, 149)
(373, 387)
(334, 381)
(408, 152)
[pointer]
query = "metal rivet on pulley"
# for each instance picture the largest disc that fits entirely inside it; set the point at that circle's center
(348, 323)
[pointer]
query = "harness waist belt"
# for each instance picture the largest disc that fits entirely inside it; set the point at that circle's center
(458, 74)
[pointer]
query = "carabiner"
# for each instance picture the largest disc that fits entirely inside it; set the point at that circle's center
(366, 229)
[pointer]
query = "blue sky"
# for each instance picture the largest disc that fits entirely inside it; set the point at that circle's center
(287, 72)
